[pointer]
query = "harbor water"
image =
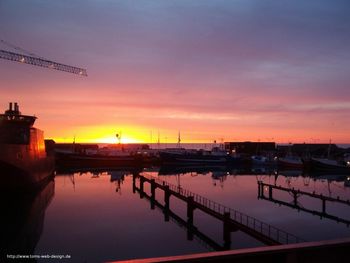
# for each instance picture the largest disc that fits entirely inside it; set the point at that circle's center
(97, 216)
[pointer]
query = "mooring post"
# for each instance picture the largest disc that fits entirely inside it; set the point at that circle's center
(190, 209)
(295, 197)
(166, 215)
(190, 233)
(142, 180)
(167, 197)
(153, 193)
(227, 230)
(323, 205)
(166, 202)
(270, 192)
(260, 189)
(134, 182)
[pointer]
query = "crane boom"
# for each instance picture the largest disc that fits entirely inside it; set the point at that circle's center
(41, 62)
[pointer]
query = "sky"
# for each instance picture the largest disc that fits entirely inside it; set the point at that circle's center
(225, 70)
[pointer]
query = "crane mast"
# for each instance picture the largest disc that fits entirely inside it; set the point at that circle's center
(41, 62)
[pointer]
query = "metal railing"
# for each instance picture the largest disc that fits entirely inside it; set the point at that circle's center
(252, 223)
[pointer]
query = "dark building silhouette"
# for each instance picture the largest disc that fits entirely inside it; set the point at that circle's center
(312, 149)
(251, 148)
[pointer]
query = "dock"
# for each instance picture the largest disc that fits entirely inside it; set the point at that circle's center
(192, 231)
(296, 194)
(231, 219)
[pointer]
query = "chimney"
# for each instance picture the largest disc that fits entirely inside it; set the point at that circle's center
(16, 107)
(10, 106)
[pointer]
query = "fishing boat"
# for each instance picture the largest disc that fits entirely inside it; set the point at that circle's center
(185, 157)
(259, 160)
(24, 162)
(290, 162)
(96, 160)
(329, 165)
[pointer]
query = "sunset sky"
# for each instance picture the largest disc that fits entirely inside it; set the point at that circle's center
(215, 70)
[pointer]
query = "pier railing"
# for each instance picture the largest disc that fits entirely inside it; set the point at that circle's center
(239, 218)
(266, 192)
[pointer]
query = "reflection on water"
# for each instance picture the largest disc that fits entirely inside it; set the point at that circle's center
(95, 215)
(192, 232)
(267, 192)
(22, 220)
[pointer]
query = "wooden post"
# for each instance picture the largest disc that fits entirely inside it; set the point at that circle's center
(167, 197)
(142, 180)
(166, 215)
(262, 190)
(190, 209)
(227, 231)
(166, 202)
(134, 183)
(190, 233)
(270, 192)
(153, 193)
(153, 189)
(295, 198)
(324, 206)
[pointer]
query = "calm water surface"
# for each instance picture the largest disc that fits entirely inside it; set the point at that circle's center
(97, 217)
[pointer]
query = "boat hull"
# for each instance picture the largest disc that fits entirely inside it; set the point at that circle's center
(22, 169)
(14, 178)
(286, 163)
(321, 165)
(74, 161)
(185, 159)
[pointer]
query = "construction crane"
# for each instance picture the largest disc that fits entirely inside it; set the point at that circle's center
(35, 60)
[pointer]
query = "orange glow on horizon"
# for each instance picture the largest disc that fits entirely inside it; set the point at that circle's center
(103, 134)
(131, 134)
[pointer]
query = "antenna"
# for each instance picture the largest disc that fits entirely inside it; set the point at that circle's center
(178, 140)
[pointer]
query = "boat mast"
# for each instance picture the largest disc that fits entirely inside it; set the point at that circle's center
(158, 139)
(329, 148)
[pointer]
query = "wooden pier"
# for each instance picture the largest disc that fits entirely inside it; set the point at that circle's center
(232, 220)
(296, 194)
(192, 231)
